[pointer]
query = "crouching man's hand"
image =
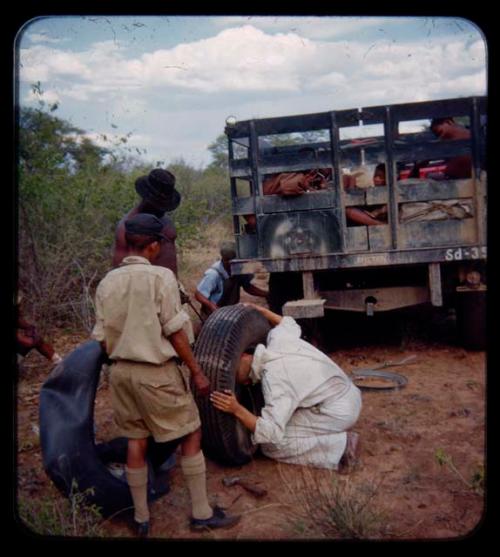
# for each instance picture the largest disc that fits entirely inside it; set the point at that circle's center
(225, 401)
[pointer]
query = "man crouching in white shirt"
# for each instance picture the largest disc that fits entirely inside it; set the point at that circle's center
(310, 403)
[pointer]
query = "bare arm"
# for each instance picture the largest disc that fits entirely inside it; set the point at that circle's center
(286, 183)
(227, 402)
(180, 342)
(210, 306)
(256, 291)
(273, 318)
(357, 215)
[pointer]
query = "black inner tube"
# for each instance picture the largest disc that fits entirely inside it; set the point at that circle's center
(70, 455)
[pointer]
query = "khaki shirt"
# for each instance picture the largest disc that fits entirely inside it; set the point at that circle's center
(137, 308)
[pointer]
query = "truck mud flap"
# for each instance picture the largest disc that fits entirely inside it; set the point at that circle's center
(70, 455)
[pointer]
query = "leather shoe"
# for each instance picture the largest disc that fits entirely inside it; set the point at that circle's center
(142, 529)
(219, 519)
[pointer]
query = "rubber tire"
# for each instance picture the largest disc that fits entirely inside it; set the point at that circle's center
(70, 456)
(471, 319)
(225, 335)
(284, 287)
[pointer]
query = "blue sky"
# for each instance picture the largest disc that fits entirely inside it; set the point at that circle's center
(170, 82)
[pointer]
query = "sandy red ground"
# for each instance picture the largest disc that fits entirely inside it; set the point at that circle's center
(440, 411)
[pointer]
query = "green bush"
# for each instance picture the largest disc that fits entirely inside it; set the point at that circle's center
(71, 194)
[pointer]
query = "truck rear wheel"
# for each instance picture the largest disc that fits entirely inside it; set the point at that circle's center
(226, 334)
(283, 288)
(471, 319)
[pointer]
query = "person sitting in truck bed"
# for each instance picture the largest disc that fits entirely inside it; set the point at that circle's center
(447, 129)
(296, 183)
(375, 216)
(290, 184)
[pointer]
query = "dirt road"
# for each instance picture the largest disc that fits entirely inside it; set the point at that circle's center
(422, 469)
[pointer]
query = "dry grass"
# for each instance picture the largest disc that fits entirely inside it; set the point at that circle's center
(72, 517)
(195, 258)
(329, 506)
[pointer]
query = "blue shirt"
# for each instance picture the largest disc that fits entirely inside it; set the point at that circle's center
(212, 284)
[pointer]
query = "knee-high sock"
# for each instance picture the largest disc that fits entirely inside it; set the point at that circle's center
(194, 470)
(137, 479)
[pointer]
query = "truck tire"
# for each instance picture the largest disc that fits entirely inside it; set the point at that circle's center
(284, 287)
(471, 319)
(226, 334)
(71, 458)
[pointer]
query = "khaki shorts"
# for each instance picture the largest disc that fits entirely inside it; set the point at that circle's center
(152, 400)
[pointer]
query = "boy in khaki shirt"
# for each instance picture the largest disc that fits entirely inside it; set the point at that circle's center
(141, 326)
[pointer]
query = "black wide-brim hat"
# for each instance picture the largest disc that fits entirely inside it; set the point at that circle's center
(158, 188)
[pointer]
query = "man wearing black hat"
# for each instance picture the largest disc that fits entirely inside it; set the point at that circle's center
(159, 195)
(141, 326)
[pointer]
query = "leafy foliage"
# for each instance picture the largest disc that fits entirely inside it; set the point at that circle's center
(71, 194)
(218, 150)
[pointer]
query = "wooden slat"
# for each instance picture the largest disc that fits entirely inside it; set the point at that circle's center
(379, 237)
(420, 190)
(247, 246)
(431, 150)
(240, 168)
(243, 205)
(294, 123)
(357, 238)
(323, 199)
(423, 234)
(377, 195)
(354, 197)
(275, 166)
(432, 109)
(350, 117)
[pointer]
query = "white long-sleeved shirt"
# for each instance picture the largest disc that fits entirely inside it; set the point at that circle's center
(309, 401)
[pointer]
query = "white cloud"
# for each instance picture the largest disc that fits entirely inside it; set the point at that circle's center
(239, 59)
(42, 37)
(246, 59)
(251, 71)
(330, 80)
(41, 63)
(320, 28)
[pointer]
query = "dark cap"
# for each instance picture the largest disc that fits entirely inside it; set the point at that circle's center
(158, 188)
(145, 225)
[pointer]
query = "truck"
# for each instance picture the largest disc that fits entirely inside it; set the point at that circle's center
(431, 249)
